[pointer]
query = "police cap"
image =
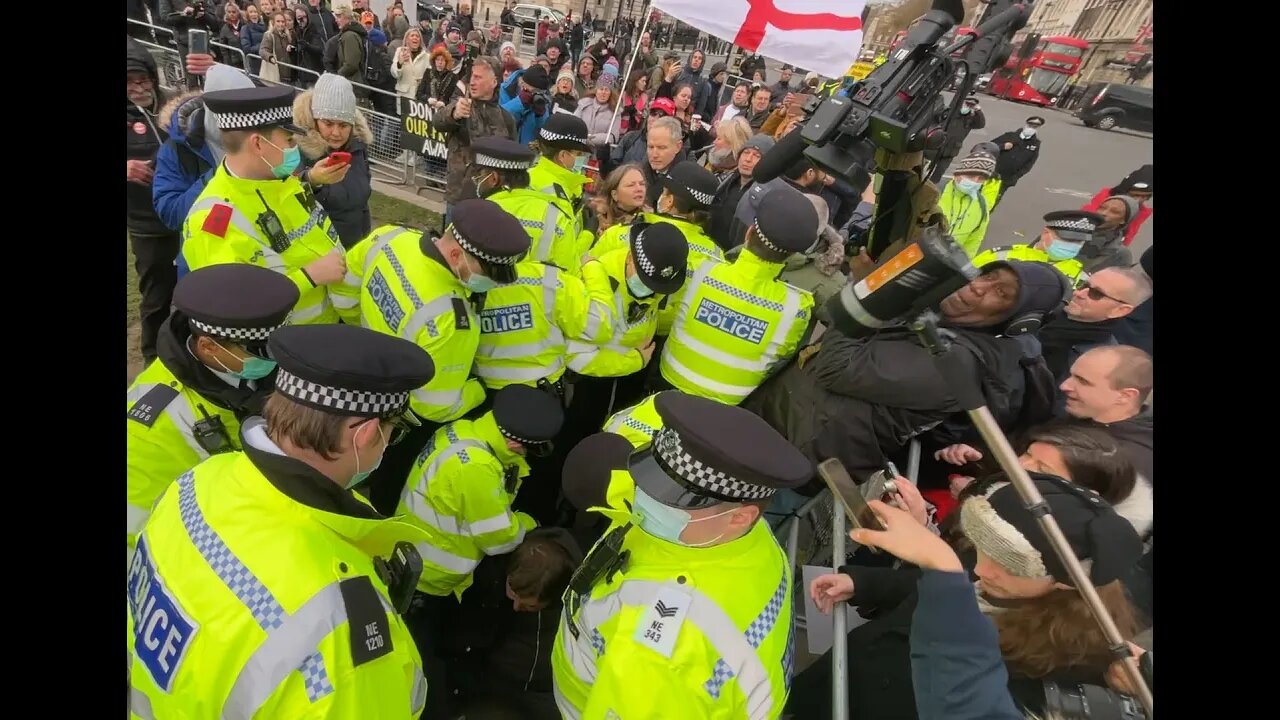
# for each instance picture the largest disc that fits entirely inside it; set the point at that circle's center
(1035, 121)
(709, 453)
(661, 255)
(786, 222)
(348, 370)
(1073, 225)
(501, 153)
(565, 132)
(255, 107)
(691, 181)
(589, 467)
(492, 235)
(527, 415)
(241, 303)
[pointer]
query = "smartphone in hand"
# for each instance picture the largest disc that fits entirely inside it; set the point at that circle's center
(198, 41)
(338, 157)
(842, 487)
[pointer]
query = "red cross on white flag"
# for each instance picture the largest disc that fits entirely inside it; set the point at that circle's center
(820, 35)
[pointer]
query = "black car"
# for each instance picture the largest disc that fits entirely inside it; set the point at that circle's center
(433, 10)
(1112, 105)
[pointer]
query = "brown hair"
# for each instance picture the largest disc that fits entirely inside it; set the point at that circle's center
(305, 427)
(606, 207)
(1134, 369)
(540, 568)
(1057, 631)
(1091, 455)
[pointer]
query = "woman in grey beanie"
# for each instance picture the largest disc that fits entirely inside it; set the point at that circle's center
(333, 123)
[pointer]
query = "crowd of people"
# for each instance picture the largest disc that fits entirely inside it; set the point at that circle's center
(530, 464)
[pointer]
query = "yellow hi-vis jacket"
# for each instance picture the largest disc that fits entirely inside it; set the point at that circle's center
(161, 443)
(554, 233)
(245, 603)
(222, 227)
(459, 493)
(735, 324)
(526, 327)
(1072, 268)
(681, 632)
(634, 320)
(548, 177)
(412, 294)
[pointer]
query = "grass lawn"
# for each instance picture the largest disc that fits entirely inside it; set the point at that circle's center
(385, 210)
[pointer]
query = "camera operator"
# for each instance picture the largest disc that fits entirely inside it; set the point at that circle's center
(860, 399)
(184, 15)
(475, 116)
(531, 107)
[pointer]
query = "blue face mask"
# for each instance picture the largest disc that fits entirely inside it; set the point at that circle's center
(637, 287)
(580, 164)
(362, 475)
(667, 523)
(964, 111)
(478, 283)
(1063, 250)
(968, 187)
(292, 159)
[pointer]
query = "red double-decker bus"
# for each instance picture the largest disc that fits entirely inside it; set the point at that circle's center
(1039, 72)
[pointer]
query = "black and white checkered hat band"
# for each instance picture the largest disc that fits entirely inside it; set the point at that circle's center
(517, 438)
(492, 162)
(764, 240)
(230, 333)
(258, 118)
(353, 402)
(1078, 225)
(637, 251)
(704, 198)
(666, 443)
(557, 137)
(471, 248)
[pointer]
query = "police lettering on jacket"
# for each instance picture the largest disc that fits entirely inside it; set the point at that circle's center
(162, 631)
(506, 319)
(731, 322)
(385, 300)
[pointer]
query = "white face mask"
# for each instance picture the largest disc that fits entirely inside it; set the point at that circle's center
(1028, 132)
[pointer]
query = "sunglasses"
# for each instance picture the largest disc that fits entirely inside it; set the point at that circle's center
(1096, 294)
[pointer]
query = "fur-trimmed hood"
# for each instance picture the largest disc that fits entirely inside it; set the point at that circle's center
(313, 146)
(165, 118)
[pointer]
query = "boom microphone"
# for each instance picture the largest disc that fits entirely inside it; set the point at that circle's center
(780, 158)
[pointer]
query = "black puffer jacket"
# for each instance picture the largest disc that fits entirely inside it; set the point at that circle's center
(143, 138)
(862, 400)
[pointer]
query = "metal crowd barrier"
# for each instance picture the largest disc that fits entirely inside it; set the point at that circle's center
(815, 511)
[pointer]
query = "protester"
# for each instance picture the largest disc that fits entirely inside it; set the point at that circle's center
(411, 64)
(1110, 386)
(1107, 246)
(635, 99)
(702, 101)
(664, 147)
(435, 83)
(646, 59)
(729, 143)
(565, 98)
(475, 116)
(1091, 317)
(600, 114)
(348, 50)
(585, 79)
(1137, 185)
(398, 24)
(758, 111)
(779, 90)
(1136, 329)
(737, 104)
(334, 124)
(278, 46)
(531, 107)
(621, 197)
(733, 185)
(311, 40)
(184, 16)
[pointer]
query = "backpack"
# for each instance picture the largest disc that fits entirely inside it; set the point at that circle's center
(377, 66)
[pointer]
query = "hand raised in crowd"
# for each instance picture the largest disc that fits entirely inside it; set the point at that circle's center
(139, 171)
(907, 539)
(199, 63)
(327, 173)
(328, 270)
(827, 590)
(907, 497)
(404, 54)
(673, 72)
(958, 454)
(462, 110)
(1116, 677)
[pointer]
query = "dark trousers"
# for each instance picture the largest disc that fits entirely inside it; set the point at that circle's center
(426, 622)
(153, 258)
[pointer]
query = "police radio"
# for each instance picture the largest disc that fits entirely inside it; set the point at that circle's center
(902, 286)
(603, 562)
(272, 227)
(211, 433)
(400, 574)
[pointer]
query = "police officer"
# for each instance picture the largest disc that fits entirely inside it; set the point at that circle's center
(564, 149)
(737, 323)
(1065, 233)
(463, 484)
(501, 174)
(261, 586)
(211, 372)
(255, 210)
(421, 289)
(697, 600)
(688, 190)
(595, 475)
(637, 423)
(1019, 150)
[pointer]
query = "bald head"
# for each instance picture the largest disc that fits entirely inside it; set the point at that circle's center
(1109, 384)
(1109, 294)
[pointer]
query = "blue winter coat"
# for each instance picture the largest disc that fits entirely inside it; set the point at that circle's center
(527, 123)
(181, 174)
(251, 41)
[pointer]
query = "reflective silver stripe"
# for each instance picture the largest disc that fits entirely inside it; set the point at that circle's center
(790, 313)
(417, 500)
(449, 400)
(718, 628)
(512, 352)
(140, 704)
(596, 314)
(311, 312)
(418, 698)
(377, 245)
(493, 524)
(343, 302)
(447, 560)
(543, 247)
(550, 284)
(507, 546)
(136, 517)
(285, 649)
(515, 374)
(583, 354)
(680, 337)
(242, 223)
(425, 316)
(702, 381)
(183, 417)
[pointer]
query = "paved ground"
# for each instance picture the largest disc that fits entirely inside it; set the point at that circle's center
(1075, 162)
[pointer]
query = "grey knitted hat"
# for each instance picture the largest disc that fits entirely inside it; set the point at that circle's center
(333, 99)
